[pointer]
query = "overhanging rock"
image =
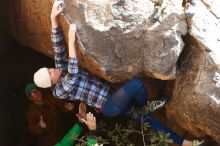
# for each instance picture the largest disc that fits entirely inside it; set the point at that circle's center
(118, 38)
(122, 38)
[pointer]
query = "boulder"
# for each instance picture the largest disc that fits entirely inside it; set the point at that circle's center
(117, 39)
(122, 38)
(195, 102)
(30, 24)
(213, 6)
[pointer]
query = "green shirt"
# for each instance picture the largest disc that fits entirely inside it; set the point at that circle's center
(76, 130)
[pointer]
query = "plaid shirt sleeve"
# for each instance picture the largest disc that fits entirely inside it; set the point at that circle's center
(72, 73)
(60, 58)
(71, 76)
(67, 84)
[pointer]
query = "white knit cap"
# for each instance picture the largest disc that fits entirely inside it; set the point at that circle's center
(42, 78)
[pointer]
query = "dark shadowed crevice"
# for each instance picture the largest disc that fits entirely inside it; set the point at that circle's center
(17, 67)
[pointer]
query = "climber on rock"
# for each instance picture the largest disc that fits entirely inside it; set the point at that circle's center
(71, 82)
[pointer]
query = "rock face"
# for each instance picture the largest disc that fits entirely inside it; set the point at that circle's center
(213, 6)
(29, 23)
(118, 36)
(121, 37)
(195, 103)
(118, 39)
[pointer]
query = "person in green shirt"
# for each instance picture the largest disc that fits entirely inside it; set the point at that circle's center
(90, 120)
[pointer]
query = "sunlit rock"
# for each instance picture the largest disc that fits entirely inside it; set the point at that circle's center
(195, 103)
(118, 39)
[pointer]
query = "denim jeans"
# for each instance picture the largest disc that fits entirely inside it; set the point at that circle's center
(158, 126)
(131, 92)
(121, 100)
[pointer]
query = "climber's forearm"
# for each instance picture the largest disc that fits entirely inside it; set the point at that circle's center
(54, 22)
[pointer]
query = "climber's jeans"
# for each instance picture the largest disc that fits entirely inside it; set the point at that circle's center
(158, 126)
(121, 100)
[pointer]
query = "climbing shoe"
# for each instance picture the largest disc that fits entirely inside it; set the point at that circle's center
(192, 2)
(157, 12)
(156, 104)
(198, 142)
(190, 10)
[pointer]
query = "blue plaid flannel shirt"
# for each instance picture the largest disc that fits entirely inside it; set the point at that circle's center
(76, 84)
